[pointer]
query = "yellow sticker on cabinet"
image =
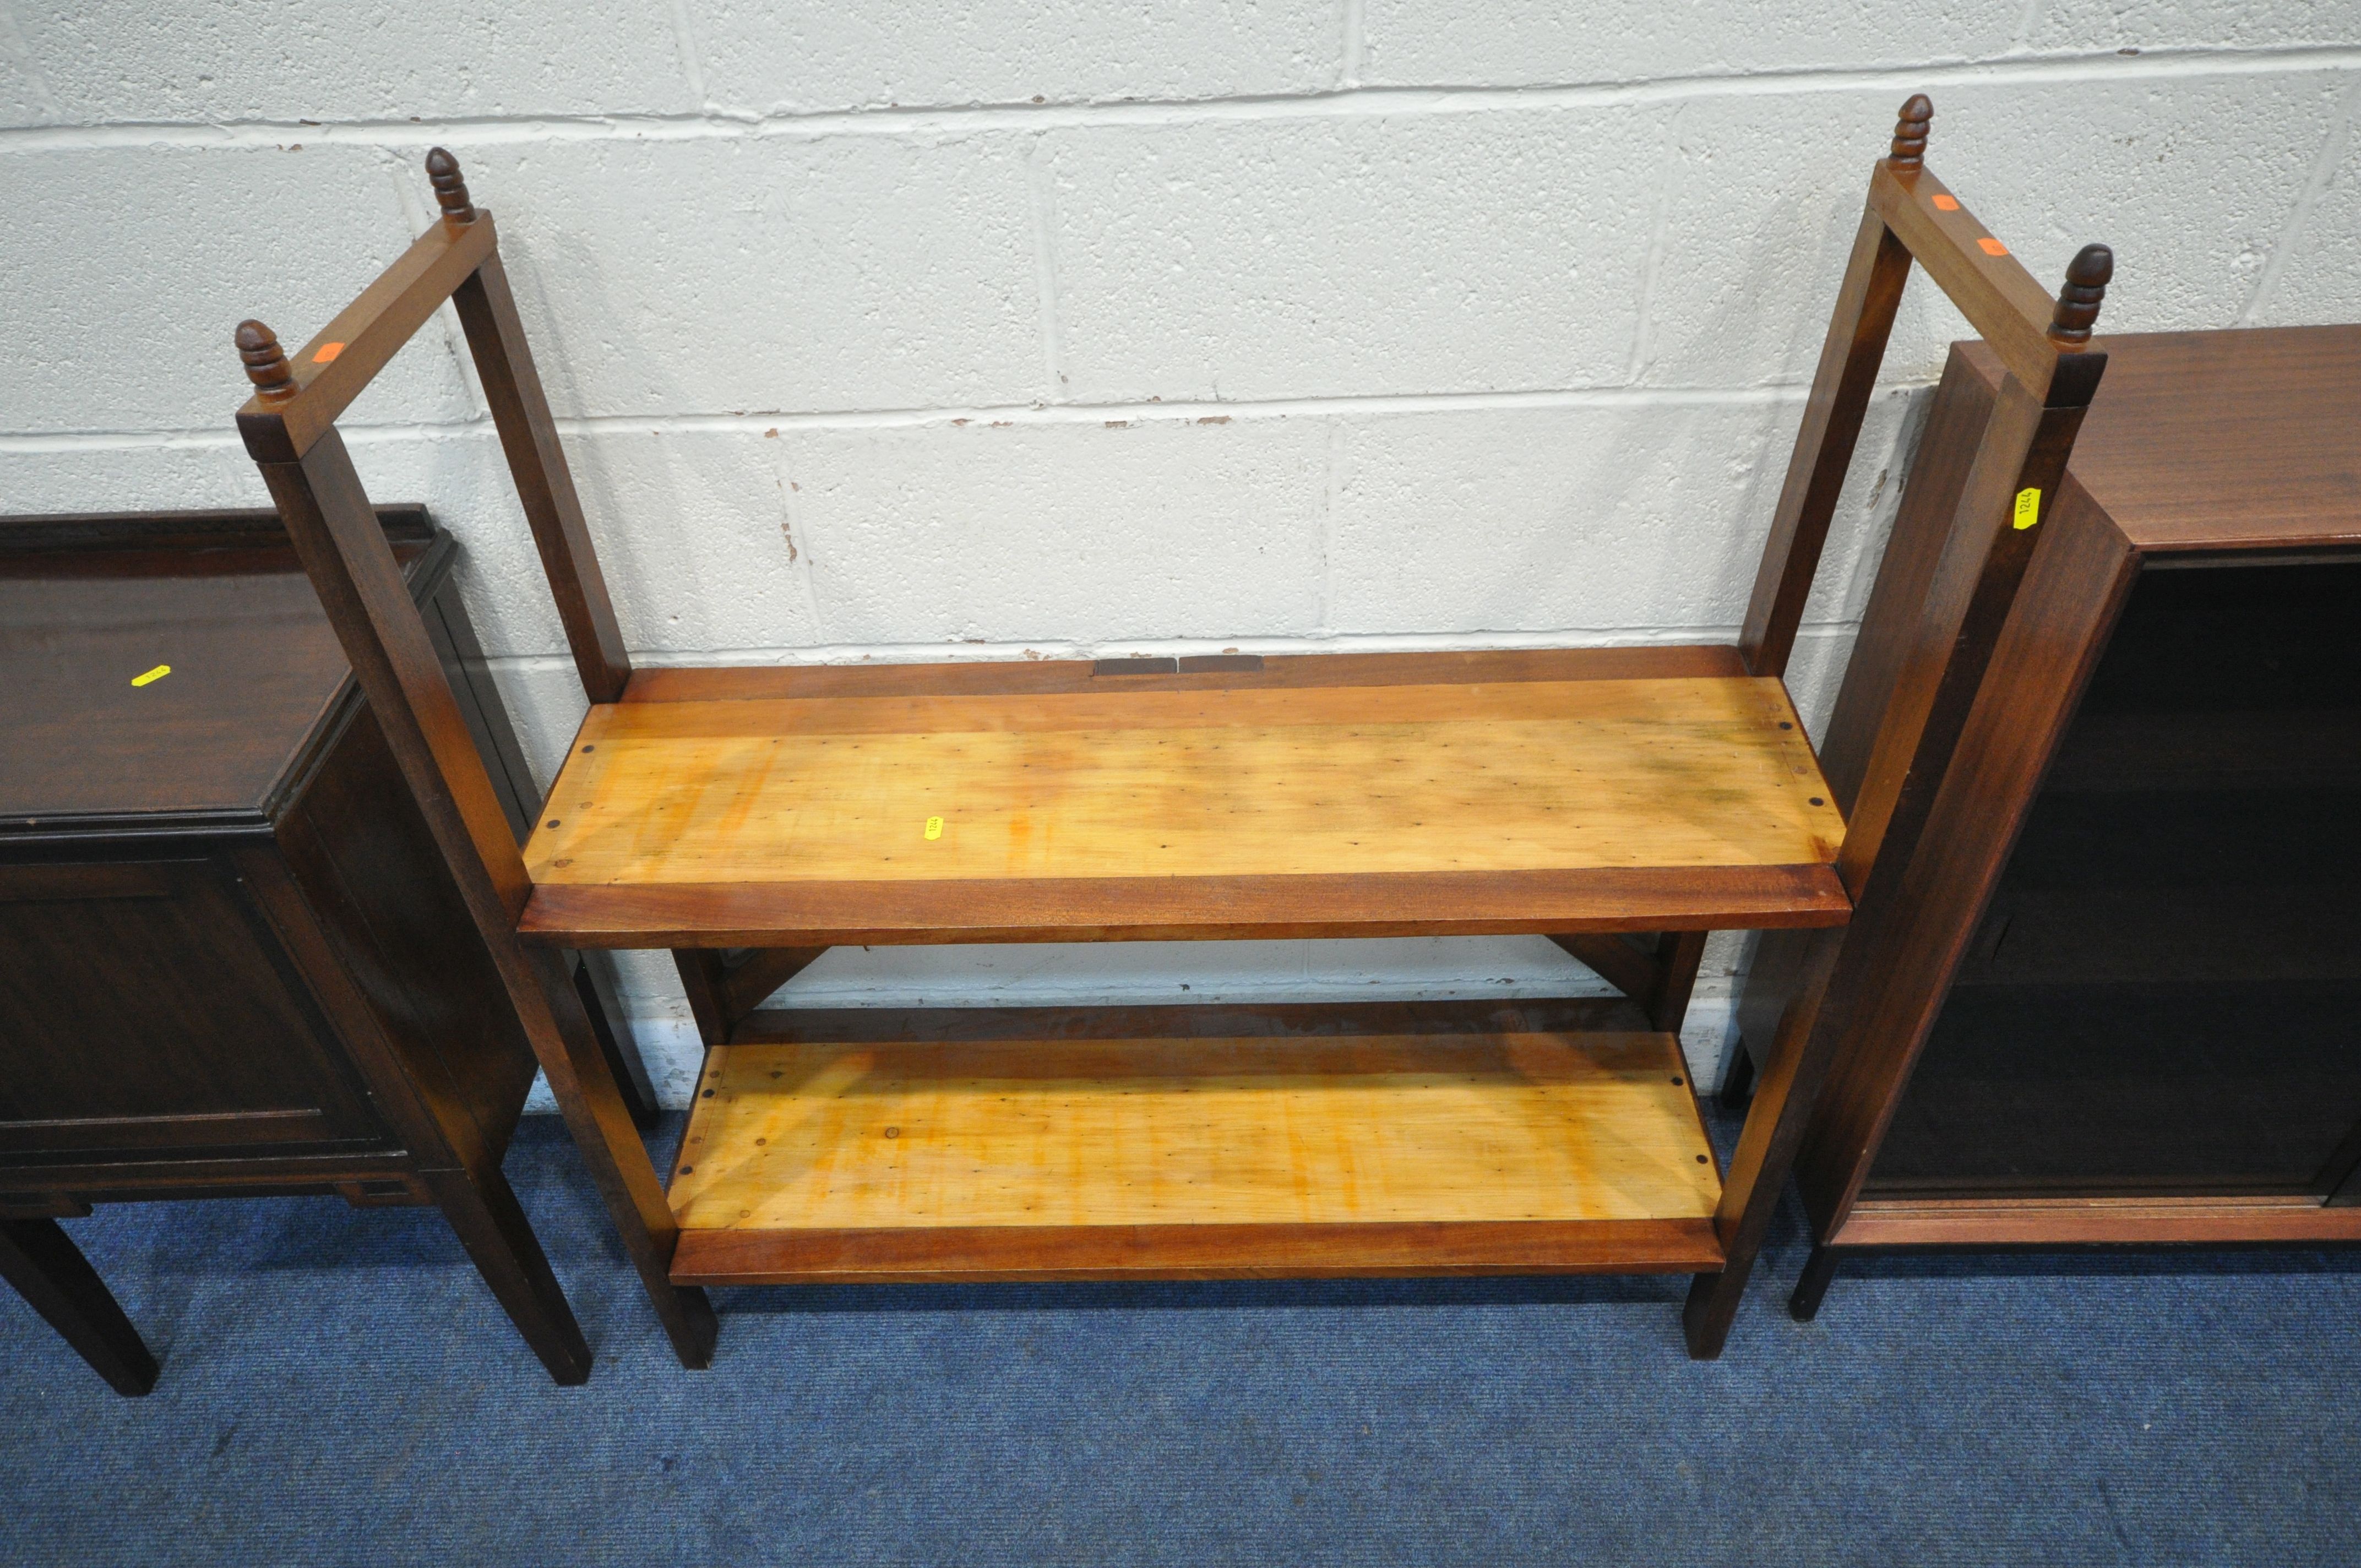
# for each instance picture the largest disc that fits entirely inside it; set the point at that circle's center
(934, 828)
(2028, 507)
(158, 673)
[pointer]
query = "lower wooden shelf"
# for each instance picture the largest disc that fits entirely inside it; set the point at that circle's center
(880, 1145)
(2293, 1219)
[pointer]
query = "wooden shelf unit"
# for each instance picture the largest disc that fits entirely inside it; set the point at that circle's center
(1624, 801)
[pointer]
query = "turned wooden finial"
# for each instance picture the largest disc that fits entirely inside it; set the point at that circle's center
(1910, 131)
(450, 190)
(2078, 303)
(265, 365)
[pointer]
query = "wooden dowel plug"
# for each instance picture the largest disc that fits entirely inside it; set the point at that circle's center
(266, 367)
(1910, 131)
(2079, 301)
(450, 190)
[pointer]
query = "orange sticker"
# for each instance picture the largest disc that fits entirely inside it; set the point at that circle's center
(1992, 248)
(1948, 203)
(327, 351)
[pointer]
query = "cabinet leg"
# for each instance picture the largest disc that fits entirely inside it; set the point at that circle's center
(49, 1271)
(1812, 1286)
(493, 1228)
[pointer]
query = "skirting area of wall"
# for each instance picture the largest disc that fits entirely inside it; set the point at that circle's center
(1064, 974)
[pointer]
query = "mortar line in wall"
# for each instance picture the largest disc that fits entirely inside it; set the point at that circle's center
(692, 65)
(1352, 43)
(1325, 540)
(2027, 20)
(2322, 174)
(1344, 103)
(794, 526)
(814, 655)
(1100, 414)
(1041, 204)
(1659, 240)
(1878, 514)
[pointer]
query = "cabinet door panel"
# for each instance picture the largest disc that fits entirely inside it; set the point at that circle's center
(145, 1007)
(2162, 997)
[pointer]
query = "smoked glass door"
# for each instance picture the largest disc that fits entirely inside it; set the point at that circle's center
(2165, 996)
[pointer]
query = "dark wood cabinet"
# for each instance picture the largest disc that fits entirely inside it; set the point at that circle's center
(2113, 995)
(235, 962)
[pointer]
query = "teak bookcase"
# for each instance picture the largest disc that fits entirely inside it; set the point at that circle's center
(1624, 801)
(2112, 1001)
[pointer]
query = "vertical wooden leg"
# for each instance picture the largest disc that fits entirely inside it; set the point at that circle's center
(1849, 357)
(1737, 1079)
(610, 1147)
(492, 1226)
(621, 1052)
(761, 971)
(1800, 1055)
(722, 989)
(1812, 1286)
(1627, 968)
(336, 532)
(1678, 954)
(705, 977)
(50, 1272)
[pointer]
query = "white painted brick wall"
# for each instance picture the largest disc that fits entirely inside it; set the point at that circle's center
(1030, 534)
(1267, 258)
(769, 57)
(175, 61)
(710, 274)
(1077, 328)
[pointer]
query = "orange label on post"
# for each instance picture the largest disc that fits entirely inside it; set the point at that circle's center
(327, 351)
(1992, 248)
(1946, 204)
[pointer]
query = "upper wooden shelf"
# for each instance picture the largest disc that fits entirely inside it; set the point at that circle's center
(1616, 789)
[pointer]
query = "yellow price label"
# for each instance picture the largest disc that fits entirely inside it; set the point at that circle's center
(2028, 507)
(934, 828)
(158, 673)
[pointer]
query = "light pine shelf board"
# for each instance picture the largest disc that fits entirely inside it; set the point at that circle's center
(1516, 776)
(1194, 1154)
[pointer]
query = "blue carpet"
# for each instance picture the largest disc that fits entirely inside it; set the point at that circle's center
(339, 1388)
